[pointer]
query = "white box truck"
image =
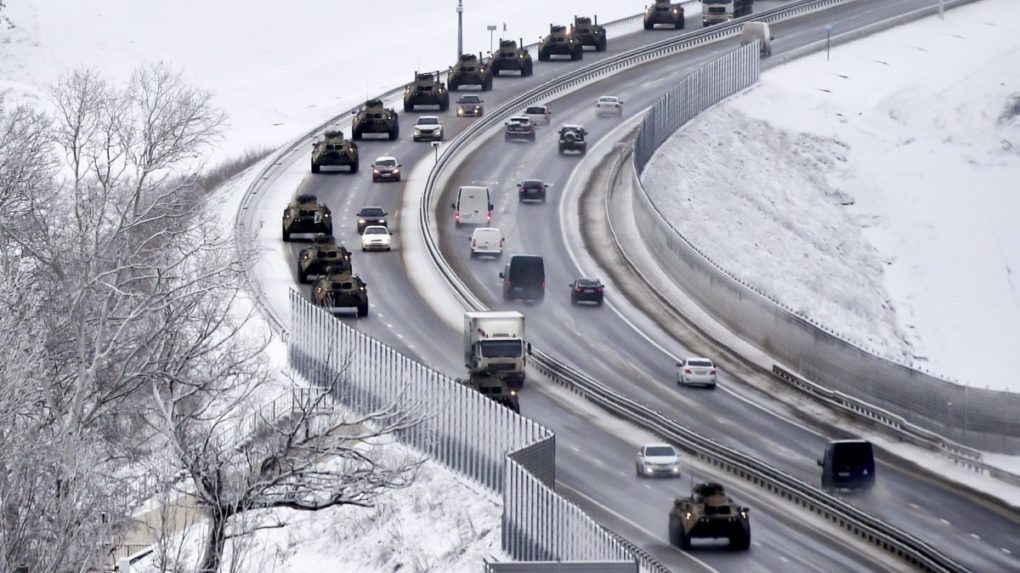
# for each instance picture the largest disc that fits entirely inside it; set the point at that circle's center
(494, 343)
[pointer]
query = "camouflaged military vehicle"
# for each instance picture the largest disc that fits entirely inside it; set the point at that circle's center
(709, 513)
(324, 253)
(426, 89)
(306, 215)
(511, 58)
(339, 288)
(494, 388)
(590, 34)
(374, 118)
(334, 151)
(559, 42)
(470, 70)
(662, 12)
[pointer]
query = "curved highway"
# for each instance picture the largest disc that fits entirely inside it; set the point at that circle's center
(593, 461)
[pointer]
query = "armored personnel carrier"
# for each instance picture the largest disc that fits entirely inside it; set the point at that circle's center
(306, 215)
(590, 34)
(323, 254)
(573, 138)
(426, 89)
(339, 288)
(494, 388)
(470, 70)
(510, 57)
(333, 150)
(373, 117)
(663, 12)
(559, 42)
(709, 513)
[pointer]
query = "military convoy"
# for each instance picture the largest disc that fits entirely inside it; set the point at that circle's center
(663, 12)
(470, 70)
(306, 215)
(511, 57)
(560, 42)
(426, 89)
(332, 150)
(340, 288)
(589, 33)
(494, 388)
(373, 117)
(709, 513)
(323, 254)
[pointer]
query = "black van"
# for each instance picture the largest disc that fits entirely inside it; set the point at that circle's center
(524, 278)
(848, 464)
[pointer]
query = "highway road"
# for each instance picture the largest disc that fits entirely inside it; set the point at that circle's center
(627, 350)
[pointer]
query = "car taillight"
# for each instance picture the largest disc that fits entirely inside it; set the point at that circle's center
(598, 289)
(712, 372)
(577, 289)
(688, 371)
(456, 215)
(488, 216)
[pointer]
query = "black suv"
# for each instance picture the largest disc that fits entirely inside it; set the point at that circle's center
(531, 190)
(586, 289)
(371, 216)
(573, 138)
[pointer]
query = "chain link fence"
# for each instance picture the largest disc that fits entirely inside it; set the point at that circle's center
(460, 428)
(981, 418)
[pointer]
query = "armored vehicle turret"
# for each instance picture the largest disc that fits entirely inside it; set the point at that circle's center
(663, 12)
(590, 34)
(333, 150)
(511, 57)
(374, 118)
(470, 70)
(323, 254)
(709, 513)
(494, 388)
(560, 42)
(306, 215)
(339, 288)
(426, 89)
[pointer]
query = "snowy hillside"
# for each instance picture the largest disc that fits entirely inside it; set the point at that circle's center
(877, 192)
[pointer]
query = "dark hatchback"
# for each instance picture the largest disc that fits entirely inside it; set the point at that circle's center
(531, 190)
(586, 289)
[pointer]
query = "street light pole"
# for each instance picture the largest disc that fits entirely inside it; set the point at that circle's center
(491, 28)
(942, 12)
(460, 29)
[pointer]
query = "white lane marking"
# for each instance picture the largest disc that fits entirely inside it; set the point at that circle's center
(975, 536)
(946, 521)
(706, 566)
(1007, 551)
(647, 486)
(400, 336)
(599, 463)
(913, 506)
(576, 449)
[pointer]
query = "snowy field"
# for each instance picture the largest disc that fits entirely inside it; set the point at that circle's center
(877, 192)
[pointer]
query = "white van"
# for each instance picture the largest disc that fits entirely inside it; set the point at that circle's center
(473, 206)
(757, 31)
(487, 241)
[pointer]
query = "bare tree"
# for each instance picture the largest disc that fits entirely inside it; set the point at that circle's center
(311, 458)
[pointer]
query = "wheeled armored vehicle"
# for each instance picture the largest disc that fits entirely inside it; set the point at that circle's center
(560, 42)
(709, 513)
(470, 70)
(374, 117)
(332, 150)
(323, 254)
(589, 33)
(664, 12)
(338, 289)
(306, 215)
(426, 89)
(511, 57)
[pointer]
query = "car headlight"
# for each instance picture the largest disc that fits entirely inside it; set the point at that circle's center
(376, 171)
(361, 220)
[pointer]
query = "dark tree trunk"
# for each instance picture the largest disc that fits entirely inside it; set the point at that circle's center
(215, 541)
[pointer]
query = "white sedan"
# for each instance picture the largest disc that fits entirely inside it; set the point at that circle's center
(376, 238)
(696, 371)
(609, 105)
(657, 460)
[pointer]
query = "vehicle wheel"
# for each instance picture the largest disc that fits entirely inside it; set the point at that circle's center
(678, 25)
(408, 106)
(495, 72)
(648, 25)
(527, 69)
(487, 85)
(674, 538)
(363, 309)
(637, 471)
(601, 47)
(363, 249)
(286, 235)
(394, 134)
(302, 276)
(576, 55)
(683, 538)
(415, 138)
(445, 104)
(397, 179)
(741, 541)
(543, 56)
(375, 179)
(315, 168)
(354, 166)
(452, 85)
(356, 134)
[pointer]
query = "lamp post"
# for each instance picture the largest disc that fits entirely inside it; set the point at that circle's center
(942, 11)
(491, 28)
(828, 41)
(460, 29)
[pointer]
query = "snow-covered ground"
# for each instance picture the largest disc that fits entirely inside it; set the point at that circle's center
(876, 192)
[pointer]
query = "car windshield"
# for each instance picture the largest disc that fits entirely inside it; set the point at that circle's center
(660, 451)
(501, 348)
(376, 231)
(386, 162)
(853, 454)
(588, 282)
(372, 212)
(700, 363)
(428, 121)
(470, 99)
(608, 100)
(531, 183)
(535, 110)
(519, 120)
